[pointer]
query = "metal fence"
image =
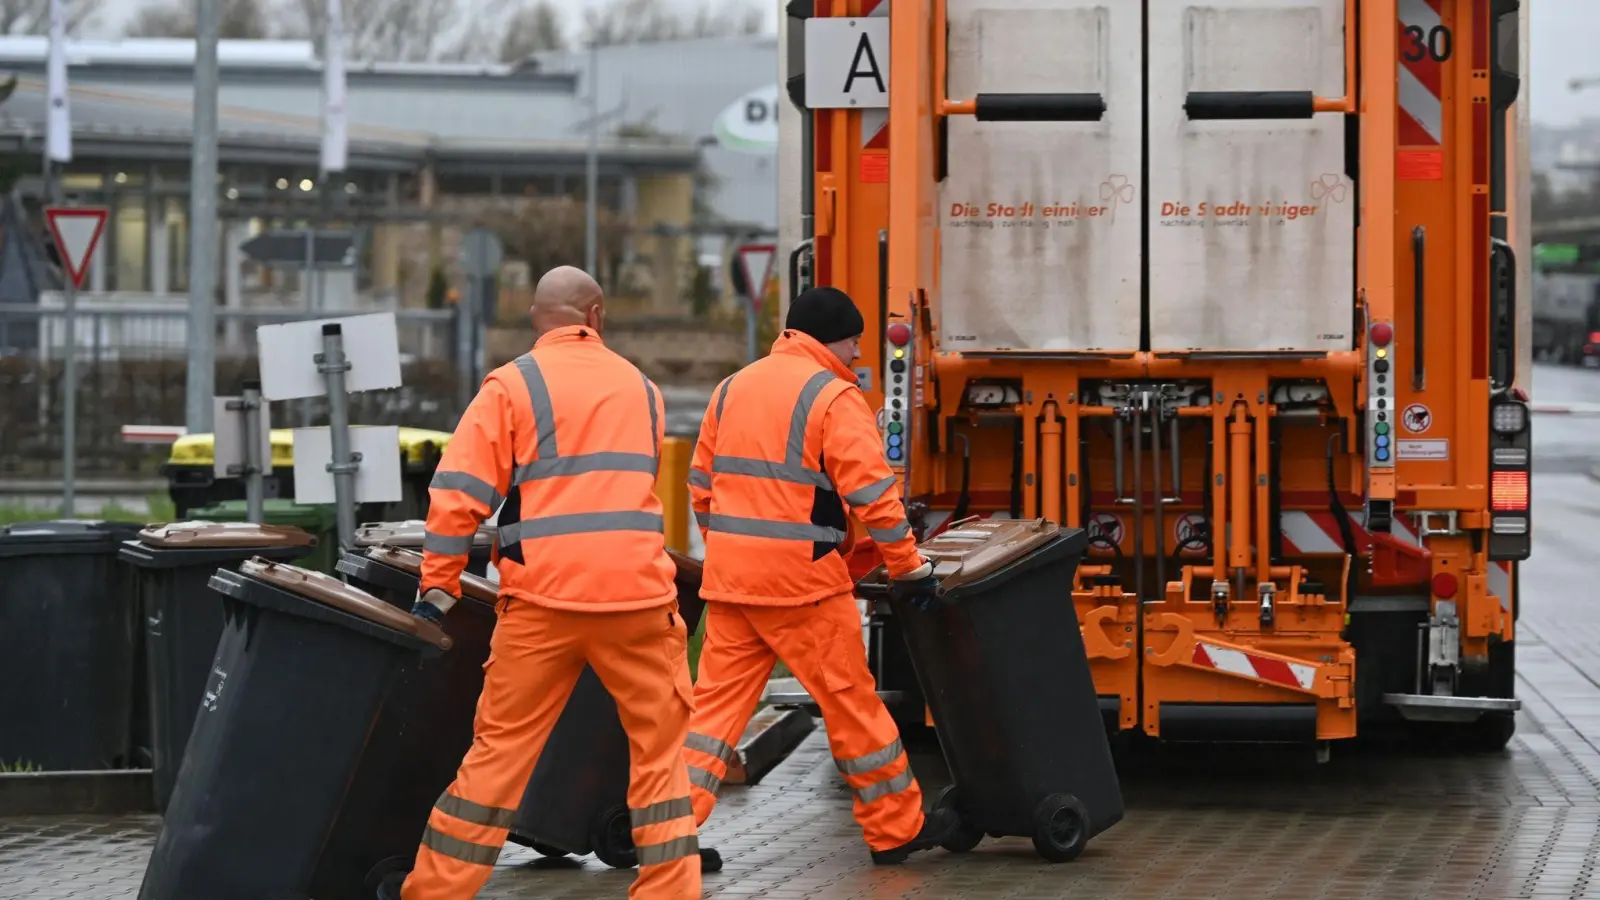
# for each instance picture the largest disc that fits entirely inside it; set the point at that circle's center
(132, 369)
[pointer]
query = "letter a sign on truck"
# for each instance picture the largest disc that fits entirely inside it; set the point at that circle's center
(76, 230)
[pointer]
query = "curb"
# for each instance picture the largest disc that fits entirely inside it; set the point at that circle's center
(770, 737)
(101, 793)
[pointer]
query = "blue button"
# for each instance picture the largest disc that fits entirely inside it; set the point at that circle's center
(894, 440)
(1383, 440)
(894, 452)
(1382, 455)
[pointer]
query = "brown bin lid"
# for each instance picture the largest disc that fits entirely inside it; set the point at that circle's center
(208, 535)
(974, 549)
(410, 562)
(332, 592)
(690, 570)
(409, 532)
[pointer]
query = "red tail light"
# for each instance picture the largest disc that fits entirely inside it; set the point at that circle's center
(1444, 585)
(1508, 491)
(1594, 337)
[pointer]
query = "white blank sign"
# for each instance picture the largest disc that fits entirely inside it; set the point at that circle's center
(227, 443)
(288, 356)
(377, 476)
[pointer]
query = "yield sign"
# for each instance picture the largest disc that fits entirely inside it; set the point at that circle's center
(757, 260)
(76, 230)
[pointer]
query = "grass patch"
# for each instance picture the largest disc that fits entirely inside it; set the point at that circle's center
(20, 766)
(161, 510)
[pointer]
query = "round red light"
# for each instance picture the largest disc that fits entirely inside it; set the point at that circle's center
(899, 334)
(1444, 585)
(1382, 333)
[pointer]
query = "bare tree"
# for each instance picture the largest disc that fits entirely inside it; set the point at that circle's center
(405, 30)
(33, 16)
(531, 29)
(241, 19)
(645, 21)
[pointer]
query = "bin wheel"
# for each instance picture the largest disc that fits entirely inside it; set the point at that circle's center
(611, 835)
(388, 874)
(1060, 827)
(965, 837)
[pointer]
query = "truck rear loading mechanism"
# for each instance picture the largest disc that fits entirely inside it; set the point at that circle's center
(1232, 287)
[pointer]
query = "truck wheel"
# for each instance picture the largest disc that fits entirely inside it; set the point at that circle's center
(1060, 828)
(965, 837)
(611, 834)
(1491, 733)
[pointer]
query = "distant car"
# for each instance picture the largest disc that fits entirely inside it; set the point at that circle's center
(1590, 358)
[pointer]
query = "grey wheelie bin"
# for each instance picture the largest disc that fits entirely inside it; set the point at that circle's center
(172, 565)
(420, 737)
(577, 799)
(407, 535)
(1002, 664)
(68, 640)
(303, 668)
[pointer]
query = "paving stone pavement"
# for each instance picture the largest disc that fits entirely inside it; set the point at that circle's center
(1203, 823)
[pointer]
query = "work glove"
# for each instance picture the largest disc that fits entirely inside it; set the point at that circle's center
(918, 587)
(432, 605)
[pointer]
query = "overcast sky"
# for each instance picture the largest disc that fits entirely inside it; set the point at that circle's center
(1566, 34)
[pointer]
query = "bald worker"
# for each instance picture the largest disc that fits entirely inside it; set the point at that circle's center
(568, 438)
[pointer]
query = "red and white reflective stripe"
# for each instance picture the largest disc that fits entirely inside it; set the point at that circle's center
(875, 122)
(1249, 665)
(152, 434)
(1421, 82)
(1500, 583)
(1565, 409)
(1317, 533)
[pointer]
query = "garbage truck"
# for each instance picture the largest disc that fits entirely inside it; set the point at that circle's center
(1232, 286)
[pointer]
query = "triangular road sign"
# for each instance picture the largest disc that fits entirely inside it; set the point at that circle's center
(77, 232)
(757, 260)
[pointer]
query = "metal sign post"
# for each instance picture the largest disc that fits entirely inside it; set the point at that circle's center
(77, 232)
(754, 263)
(332, 364)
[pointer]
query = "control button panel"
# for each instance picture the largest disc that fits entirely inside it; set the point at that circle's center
(896, 393)
(1381, 412)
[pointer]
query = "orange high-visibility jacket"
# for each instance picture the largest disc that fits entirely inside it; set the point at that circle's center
(569, 437)
(783, 440)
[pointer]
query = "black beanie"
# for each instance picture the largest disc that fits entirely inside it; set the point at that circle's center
(827, 314)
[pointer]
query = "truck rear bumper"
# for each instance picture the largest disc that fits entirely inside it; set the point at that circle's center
(1436, 708)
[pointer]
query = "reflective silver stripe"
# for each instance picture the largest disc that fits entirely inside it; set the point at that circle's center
(700, 479)
(447, 544)
(665, 811)
(890, 535)
(710, 746)
(456, 848)
(722, 396)
(884, 788)
(802, 415)
(655, 421)
(702, 519)
(762, 468)
(471, 485)
(607, 461)
(873, 761)
(476, 813)
(667, 851)
(863, 496)
(766, 528)
(579, 523)
(704, 780)
(544, 415)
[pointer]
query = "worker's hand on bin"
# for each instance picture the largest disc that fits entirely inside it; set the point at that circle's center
(918, 587)
(432, 605)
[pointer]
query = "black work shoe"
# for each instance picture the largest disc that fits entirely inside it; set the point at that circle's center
(937, 826)
(710, 861)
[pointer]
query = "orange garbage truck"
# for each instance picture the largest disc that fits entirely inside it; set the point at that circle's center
(1233, 287)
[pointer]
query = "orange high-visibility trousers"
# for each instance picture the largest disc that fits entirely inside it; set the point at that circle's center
(535, 658)
(821, 644)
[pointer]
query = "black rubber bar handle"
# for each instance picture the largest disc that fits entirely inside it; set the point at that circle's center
(1039, 107)
(1419, 258)
(1224, 105)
